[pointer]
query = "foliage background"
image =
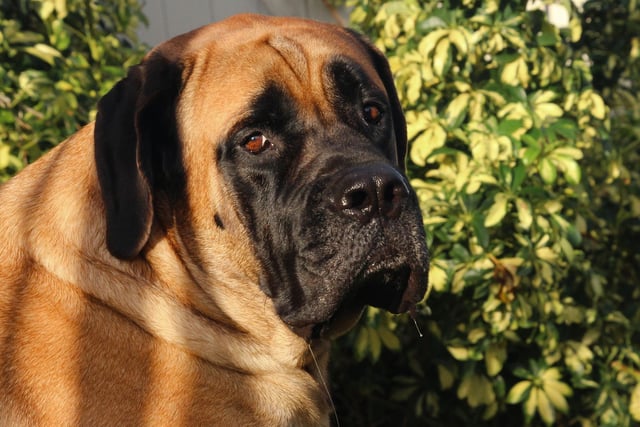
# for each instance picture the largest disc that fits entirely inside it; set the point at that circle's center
(525, 145)
(57, 57)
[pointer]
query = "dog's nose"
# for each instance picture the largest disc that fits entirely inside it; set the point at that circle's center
(369, 191)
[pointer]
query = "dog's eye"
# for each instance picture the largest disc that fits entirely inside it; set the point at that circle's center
(257, 143)
(372, 114)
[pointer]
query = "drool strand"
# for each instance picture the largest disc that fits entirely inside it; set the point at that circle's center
(412, 314)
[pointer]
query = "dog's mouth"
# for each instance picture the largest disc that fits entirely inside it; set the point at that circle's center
(396, 290)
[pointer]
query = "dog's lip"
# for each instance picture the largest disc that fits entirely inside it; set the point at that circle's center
(345, 318)
(396, 290)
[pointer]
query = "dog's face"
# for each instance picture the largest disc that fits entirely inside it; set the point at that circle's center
(283, 137)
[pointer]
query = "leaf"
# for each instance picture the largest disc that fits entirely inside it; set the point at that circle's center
(391, 28)
(515, 73)
(459, 40)
(575, 25)
(571, 152)
(441, 59)
(554, 391)
(417, 123)
(459, 353)
(519, 173)
(480, 230)
(375, 344)
(509, 127)
(428, 141)
(565, 128)
(384, 12)
(572, 171)
(96, 49)
(519, 392)
(476, 335)
(480, 391)
(494, 358)
(446, 377)
(21, 37)
(45, 52)
(32, 82)
(457, 110)
(402, 394)
(574, 236)
(521, 372)
(389, 339)
(545, 408)
(531, 403)
(634, 403)
(46, 9)
(509, 73)
(497, 211)
(431, 23)
(362, 342)
(567, 249)
(531, 153)
(414, 87)
(569, 167)
(437, 277)
(5, 150)
(543, 96)
(598, 107)
(61, 8)
(548, 35)
(548, 110)
(491, 411)
(463, 388)
(358, 15)
(525, 218)
(428, 43)
(459, 252)
(548, 171)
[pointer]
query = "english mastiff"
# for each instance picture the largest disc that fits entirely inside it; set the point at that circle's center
(186, 258)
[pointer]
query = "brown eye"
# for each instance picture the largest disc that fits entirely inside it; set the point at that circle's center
(372, 114)
(257, 143)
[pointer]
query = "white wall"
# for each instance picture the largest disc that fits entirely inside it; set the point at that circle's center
(168, 18)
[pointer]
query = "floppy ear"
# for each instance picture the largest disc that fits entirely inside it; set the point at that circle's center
(382, 67)
(136, 146)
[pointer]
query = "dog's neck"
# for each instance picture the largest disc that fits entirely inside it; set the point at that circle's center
(186, 317)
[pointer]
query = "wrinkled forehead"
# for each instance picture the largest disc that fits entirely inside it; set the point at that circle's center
(235, 60)
(254, 42)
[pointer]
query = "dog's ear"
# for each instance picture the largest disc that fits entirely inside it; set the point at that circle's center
(136, 149)
(382, 67)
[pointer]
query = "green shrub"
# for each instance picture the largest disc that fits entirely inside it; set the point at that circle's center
(57, 57)
(525, 145)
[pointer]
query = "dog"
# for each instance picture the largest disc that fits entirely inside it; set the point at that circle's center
(187, 258)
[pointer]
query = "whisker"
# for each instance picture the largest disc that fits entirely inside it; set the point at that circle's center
(324, 384)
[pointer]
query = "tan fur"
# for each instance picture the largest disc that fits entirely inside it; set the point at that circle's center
(87, 339)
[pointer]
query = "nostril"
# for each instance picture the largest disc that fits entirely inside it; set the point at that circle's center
(356, 198)
(358, 201)
(369, 191)
(393, 193)
(390, 192)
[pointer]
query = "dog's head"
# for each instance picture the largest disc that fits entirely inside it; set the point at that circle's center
(284, 137)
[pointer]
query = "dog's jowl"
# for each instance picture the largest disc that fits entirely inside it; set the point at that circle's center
(187, 258)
